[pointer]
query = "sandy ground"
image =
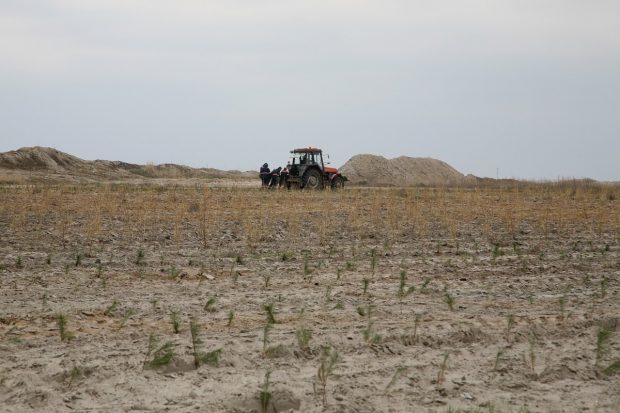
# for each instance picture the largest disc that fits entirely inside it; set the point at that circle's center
(522, 331)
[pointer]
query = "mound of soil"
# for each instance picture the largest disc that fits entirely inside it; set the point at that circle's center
(39, 158)
(373, 170)
(49, 164)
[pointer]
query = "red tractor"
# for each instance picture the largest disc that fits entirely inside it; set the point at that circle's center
(307, 170)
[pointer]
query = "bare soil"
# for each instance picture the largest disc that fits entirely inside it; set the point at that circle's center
(511, 289)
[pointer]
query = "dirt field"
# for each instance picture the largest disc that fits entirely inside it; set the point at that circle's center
(434, 299)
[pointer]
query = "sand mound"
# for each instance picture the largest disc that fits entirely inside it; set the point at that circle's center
(40, 163)
(38, 158)
(373, 170)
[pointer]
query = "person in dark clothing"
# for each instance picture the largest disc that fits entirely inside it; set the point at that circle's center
(275, 177)
(284, 175)
(265, 175)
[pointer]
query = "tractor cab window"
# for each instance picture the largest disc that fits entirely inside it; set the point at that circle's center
(306, 158)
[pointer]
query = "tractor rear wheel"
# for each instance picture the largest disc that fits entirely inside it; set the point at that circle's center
(313, 179)
(337, 182)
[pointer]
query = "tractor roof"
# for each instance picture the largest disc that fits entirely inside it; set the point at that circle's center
(309, 149)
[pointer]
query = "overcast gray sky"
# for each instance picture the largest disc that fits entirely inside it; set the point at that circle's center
(531, 87)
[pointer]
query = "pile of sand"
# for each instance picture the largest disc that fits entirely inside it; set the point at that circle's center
(373, 170)
(40, 163)
(39, 158)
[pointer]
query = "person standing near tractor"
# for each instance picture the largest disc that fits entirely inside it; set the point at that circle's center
(265, 175)
(275, 177)
(284, 175)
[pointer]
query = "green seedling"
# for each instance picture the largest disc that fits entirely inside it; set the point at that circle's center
(175, 321)
(111, 310)
(604, 283)
(497, 251)
(231, 317)
(329, 360)
(562, 305)
(212, 358)
(498, 359)
(510, 322)
(328, 294)
(612, 368)
(162, 355)
(269, 312)
(532, 353)
(75, 374)
(266, 331)
(441, 374)
(373, 261)
(403, 290)
(307, 269)
(265, 394)
(232, 272)
(424, 287)
(63, 331)
(140, 257)
(449, 299)
(602, 344)
(369, 334)
(366, 281)
(126, 316)
(530, 298)
(210, 305)
(416, 322)
(399, 371)
(173, 272)
(304, 336)
(200, 358)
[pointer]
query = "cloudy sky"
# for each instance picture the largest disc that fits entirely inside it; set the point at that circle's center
(527, 87)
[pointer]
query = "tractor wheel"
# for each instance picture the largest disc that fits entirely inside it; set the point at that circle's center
(337, 182)
(313, 179)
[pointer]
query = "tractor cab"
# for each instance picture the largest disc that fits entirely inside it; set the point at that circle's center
(307, 170)
(307, 156)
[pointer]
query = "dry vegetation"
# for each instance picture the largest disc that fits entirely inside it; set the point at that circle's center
(121, 297)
